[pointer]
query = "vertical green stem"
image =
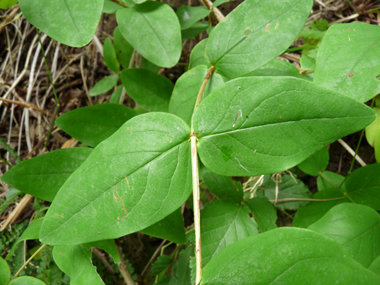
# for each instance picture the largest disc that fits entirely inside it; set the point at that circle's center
(196, 191)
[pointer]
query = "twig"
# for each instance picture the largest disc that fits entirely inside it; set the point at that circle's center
(27, 106)
(123, 267)
(27, 262)
(17, 211)
(352, 152)
(104, 260)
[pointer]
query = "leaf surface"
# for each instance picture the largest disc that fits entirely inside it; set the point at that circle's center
(75, 261)
(264, 213)
(328, 179)
(345, 223)
(132, 180)
(123, 48)
(42, 176)
(110, 56)
(286, 256)
(198, 54)
(72, 23)
(316, 162)
(242, 42)
(148, 89)
(189, 15)
(157, 40)
(104, 85)
(26, 280)
(93, 124)
(262, 125)
(347, 60)
(5, 272)
(222, 224)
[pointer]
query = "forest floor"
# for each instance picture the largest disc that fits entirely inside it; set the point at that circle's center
(25, 121)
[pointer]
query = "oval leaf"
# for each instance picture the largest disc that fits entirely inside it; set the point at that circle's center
(347, 60)
(72, 23)
(123, 48)
(5, 272)
(93, 124)
(241, 43)
(315, 163)
(286, 256)
(189, 15)
(132, 180)
(222, 224)
(148, 89)
(263, 125)
(198, 55)
(110, 56)
(157, 40)
(104, 85)
(26, 280)
(42, 176)
(355, 227)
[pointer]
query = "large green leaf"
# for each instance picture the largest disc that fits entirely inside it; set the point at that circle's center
(93, 124)
(76, 262)
(375, 266)
(198, 54)
(132, 180)
(109, 246)
(222, 224)
(149, 90)
(222, 186)
(72, 23)
(263, 125)
(42, 176)
(347, 60)
(308, 215)
(286, 256)
(363, 185)
(255, 33)
(153, 29)
(356, 228)
(170, 228)
(26, 280)
(5, 272)
(288, 187)
(264, 213)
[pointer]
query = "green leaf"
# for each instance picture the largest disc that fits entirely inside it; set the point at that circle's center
(162, 263)
(148, 89)
(42, 176)
(93, 124)
(189, 15)
(181, 268)
(115, 97)
(146, 64)
(241, 43)
(220, 2)
(123, 48)
(76, 262)
(110, 56)
(248, 129)
(375, 266)
(157, 40)
(109, 246)
(6, 4)
(111, 7)
(132, 180)
(223, 223)
(345, 223)
(288, 187)
(372, 130)
(363, 185)
(308, 215)
(286, 256)
(170, 228)
(72, 23)
(277, 67)
(31, 232)
(194, 30)
(307, 63)
(222, 186)
(185, 92)
(198, 54)
(215, 81)
(10, 196)
(26, 280)
(346, 58)
(264, 213)
(5, 272)
(328, 179)
(316, 162)
(104, 85)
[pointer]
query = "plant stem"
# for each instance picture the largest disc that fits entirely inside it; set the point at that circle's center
(306, 199)
(123, 267)
(121, 3)
(197, 214)
(29, 260)
(203, 86)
